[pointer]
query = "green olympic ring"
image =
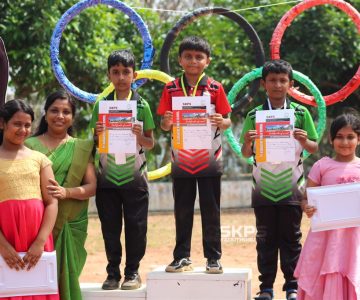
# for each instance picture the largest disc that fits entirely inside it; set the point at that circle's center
(257, 73)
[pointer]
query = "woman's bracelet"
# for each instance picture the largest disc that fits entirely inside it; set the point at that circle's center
(67, 193)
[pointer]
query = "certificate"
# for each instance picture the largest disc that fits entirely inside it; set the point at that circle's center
(338, 206)
(118, 117)
(40, 280)
(191, 124)
(275, 142)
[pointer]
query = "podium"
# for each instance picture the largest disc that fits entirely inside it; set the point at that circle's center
(233, 284)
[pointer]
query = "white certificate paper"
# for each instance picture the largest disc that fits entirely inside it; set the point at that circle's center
(118, 117)
(275, 142)
(40, 280)
(338, 206)
(191, 124)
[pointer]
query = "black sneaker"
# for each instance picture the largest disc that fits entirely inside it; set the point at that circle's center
(180, 265)
(110, 284)
(291, 294)
(265, 294)
(131, 282)
(213, 266)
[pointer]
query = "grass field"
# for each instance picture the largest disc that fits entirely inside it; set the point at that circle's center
(238, 251)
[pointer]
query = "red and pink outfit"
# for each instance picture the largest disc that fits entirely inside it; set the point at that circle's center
(21, 206)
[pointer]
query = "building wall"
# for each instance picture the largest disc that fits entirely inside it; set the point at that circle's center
(234, 194)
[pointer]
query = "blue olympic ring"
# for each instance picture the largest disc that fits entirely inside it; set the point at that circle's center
(68, 16)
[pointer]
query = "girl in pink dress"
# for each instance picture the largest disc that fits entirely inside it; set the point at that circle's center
(27, 210)
(329, 264)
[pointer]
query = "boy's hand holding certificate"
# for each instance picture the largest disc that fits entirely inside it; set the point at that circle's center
(275, 142)
(191, 124)
(118, 117)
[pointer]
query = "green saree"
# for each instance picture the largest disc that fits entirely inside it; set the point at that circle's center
(70, 161)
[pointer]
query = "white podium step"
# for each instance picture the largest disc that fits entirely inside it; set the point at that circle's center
(197, 285)
(93, 291)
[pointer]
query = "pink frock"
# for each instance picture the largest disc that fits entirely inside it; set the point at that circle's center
(21, 206)
(329, 264)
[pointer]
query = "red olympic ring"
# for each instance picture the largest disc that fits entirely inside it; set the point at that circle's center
(285, 22)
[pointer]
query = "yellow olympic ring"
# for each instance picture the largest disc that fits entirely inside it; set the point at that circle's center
(163, 77)
(161, 172)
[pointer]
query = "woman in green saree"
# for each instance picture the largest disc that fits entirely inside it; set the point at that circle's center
(75, 183)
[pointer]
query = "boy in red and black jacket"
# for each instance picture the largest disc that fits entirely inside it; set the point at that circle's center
(196, 167)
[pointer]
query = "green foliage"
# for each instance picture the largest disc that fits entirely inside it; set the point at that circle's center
(322, 43)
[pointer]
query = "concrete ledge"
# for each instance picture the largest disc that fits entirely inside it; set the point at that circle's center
(93, 291)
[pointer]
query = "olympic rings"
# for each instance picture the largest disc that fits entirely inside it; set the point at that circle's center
(161, 172)
(286, 20)
(238, 19)
(68, 16)
(149, 74)
(257, 73)
(141, 74)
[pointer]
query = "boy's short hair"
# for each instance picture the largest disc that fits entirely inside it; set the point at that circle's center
(277, 66)
(124, 57)
(195, 43)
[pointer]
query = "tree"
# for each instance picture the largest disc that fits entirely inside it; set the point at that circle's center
(322, 43)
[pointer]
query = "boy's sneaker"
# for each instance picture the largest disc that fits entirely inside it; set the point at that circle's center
(265, 294)
(291, 294)
(213, 266)
(180, 265)
(110, 284)
(131, 282)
